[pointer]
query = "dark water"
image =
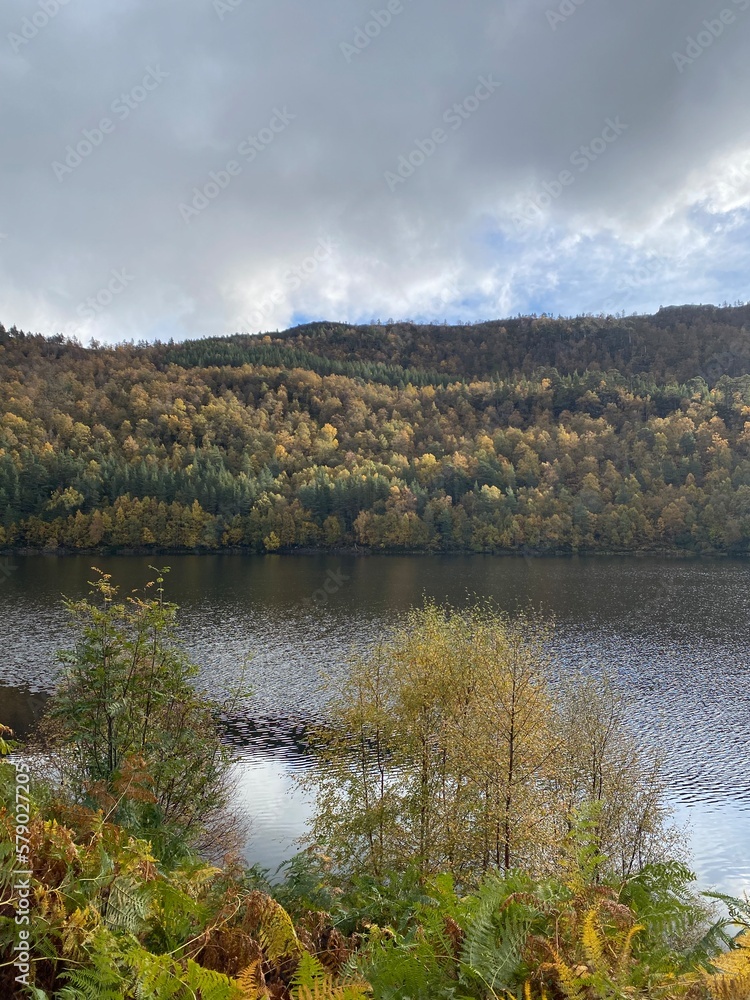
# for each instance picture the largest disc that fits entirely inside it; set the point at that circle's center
(674, 632)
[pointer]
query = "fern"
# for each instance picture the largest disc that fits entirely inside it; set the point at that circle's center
(739, 909)
(156, 977)
(680, 934)
(275, 931)
(311, 981)
(101, 981)
(593, 946)
(127, 907)
(208, 985)
(78, 929)
(309, 971)
(494, 943)
(627, 946)
(572, 981)
(174, 914)
(250, 982)
(326, 991)
(163, 977)
(400, 970)
(731, 981)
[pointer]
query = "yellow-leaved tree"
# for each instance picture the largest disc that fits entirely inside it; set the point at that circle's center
(453, 746)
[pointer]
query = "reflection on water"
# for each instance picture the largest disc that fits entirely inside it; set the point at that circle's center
(674, 632)
(720, 843)
(279, 809)
(21, 709)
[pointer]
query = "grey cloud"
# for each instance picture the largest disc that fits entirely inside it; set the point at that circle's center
(449, 225)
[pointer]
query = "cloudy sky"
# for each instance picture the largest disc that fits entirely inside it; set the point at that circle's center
(180, 168)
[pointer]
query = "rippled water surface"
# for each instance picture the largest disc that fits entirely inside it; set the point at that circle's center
(675, 633)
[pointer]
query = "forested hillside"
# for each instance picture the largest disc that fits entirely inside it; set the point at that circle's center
(677, 344)
(532, 434)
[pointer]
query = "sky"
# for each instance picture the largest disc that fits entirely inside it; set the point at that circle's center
(186, 168)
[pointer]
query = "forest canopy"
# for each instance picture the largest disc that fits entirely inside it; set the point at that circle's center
(609, 434)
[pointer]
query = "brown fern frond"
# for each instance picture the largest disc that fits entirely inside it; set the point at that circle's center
(229, 950)
(622, 916)
(455, 935)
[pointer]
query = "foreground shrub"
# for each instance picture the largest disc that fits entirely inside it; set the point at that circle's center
(451, 748)
(514, 937)
(108, 919)
(129, 729)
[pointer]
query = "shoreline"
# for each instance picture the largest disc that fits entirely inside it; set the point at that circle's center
(365, 552)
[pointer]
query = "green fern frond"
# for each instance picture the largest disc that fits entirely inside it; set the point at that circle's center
(493, 947)
(209, 985)
(326, 991)
(163, 977)
(739, 909)
(155, 975)
(309, 971)
(92, 983)
(127, 907)
(312, 982)
(173, 912)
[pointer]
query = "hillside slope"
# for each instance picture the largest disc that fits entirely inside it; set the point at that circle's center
(534, 435)
(677, 344)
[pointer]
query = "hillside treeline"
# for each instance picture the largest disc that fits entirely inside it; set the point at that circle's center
(393, 437)
(677, 344)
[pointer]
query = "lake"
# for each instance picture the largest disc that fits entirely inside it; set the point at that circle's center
(674, 632)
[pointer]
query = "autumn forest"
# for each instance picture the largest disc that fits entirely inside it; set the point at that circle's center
(594, 434)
